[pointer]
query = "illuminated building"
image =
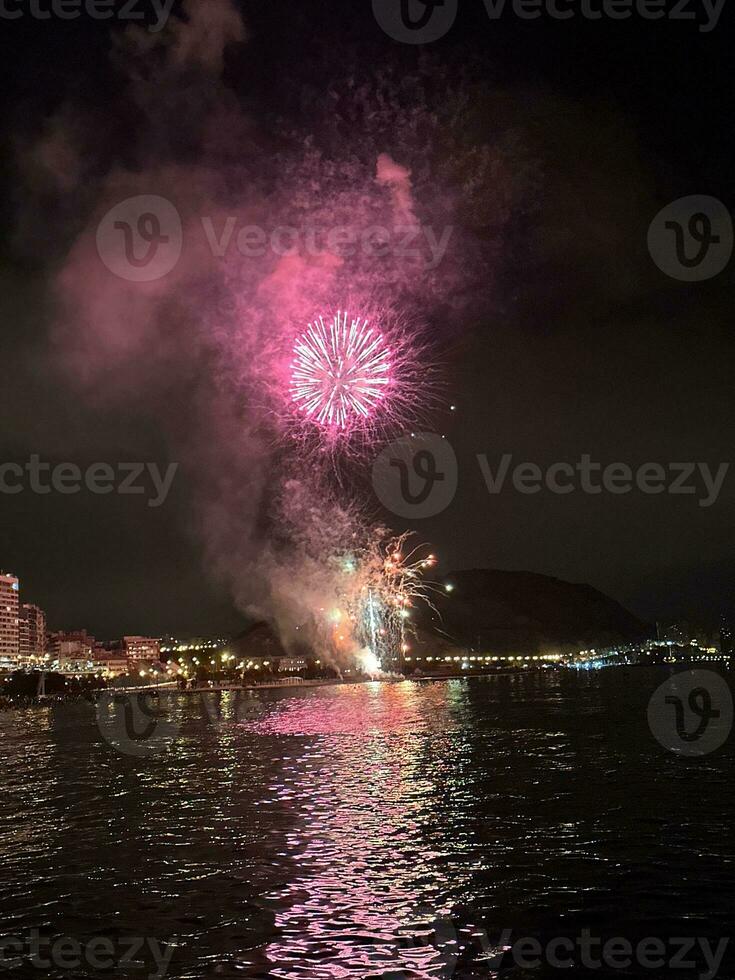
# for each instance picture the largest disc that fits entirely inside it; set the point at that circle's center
(31, 632)
(142, 649)
(9, 639)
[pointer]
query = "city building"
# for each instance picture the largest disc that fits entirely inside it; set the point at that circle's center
(71, 651)
(9, 638)
(108, 660)
(31, 633)
(142, 649)
(291, 664)
(70, 642)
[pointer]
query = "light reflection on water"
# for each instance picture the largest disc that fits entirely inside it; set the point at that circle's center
(367, 891)
(367, 830)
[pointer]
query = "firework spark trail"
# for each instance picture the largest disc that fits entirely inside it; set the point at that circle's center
(340, 373)
(375, 587)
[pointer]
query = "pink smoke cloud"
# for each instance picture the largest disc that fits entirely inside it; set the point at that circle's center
(205, 349)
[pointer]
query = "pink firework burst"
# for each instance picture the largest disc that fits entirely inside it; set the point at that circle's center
(341, 371)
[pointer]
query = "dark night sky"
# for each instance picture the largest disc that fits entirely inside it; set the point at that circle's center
(591, 349)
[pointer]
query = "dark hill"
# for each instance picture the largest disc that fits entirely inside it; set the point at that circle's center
(505, 611)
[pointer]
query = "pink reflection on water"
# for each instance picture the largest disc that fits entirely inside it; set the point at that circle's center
(367, 898)
(376, 708)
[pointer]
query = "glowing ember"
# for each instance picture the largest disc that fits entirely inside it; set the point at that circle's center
(369, 663)
(340, 372)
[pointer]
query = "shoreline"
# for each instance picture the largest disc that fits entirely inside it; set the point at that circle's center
(170, 687)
